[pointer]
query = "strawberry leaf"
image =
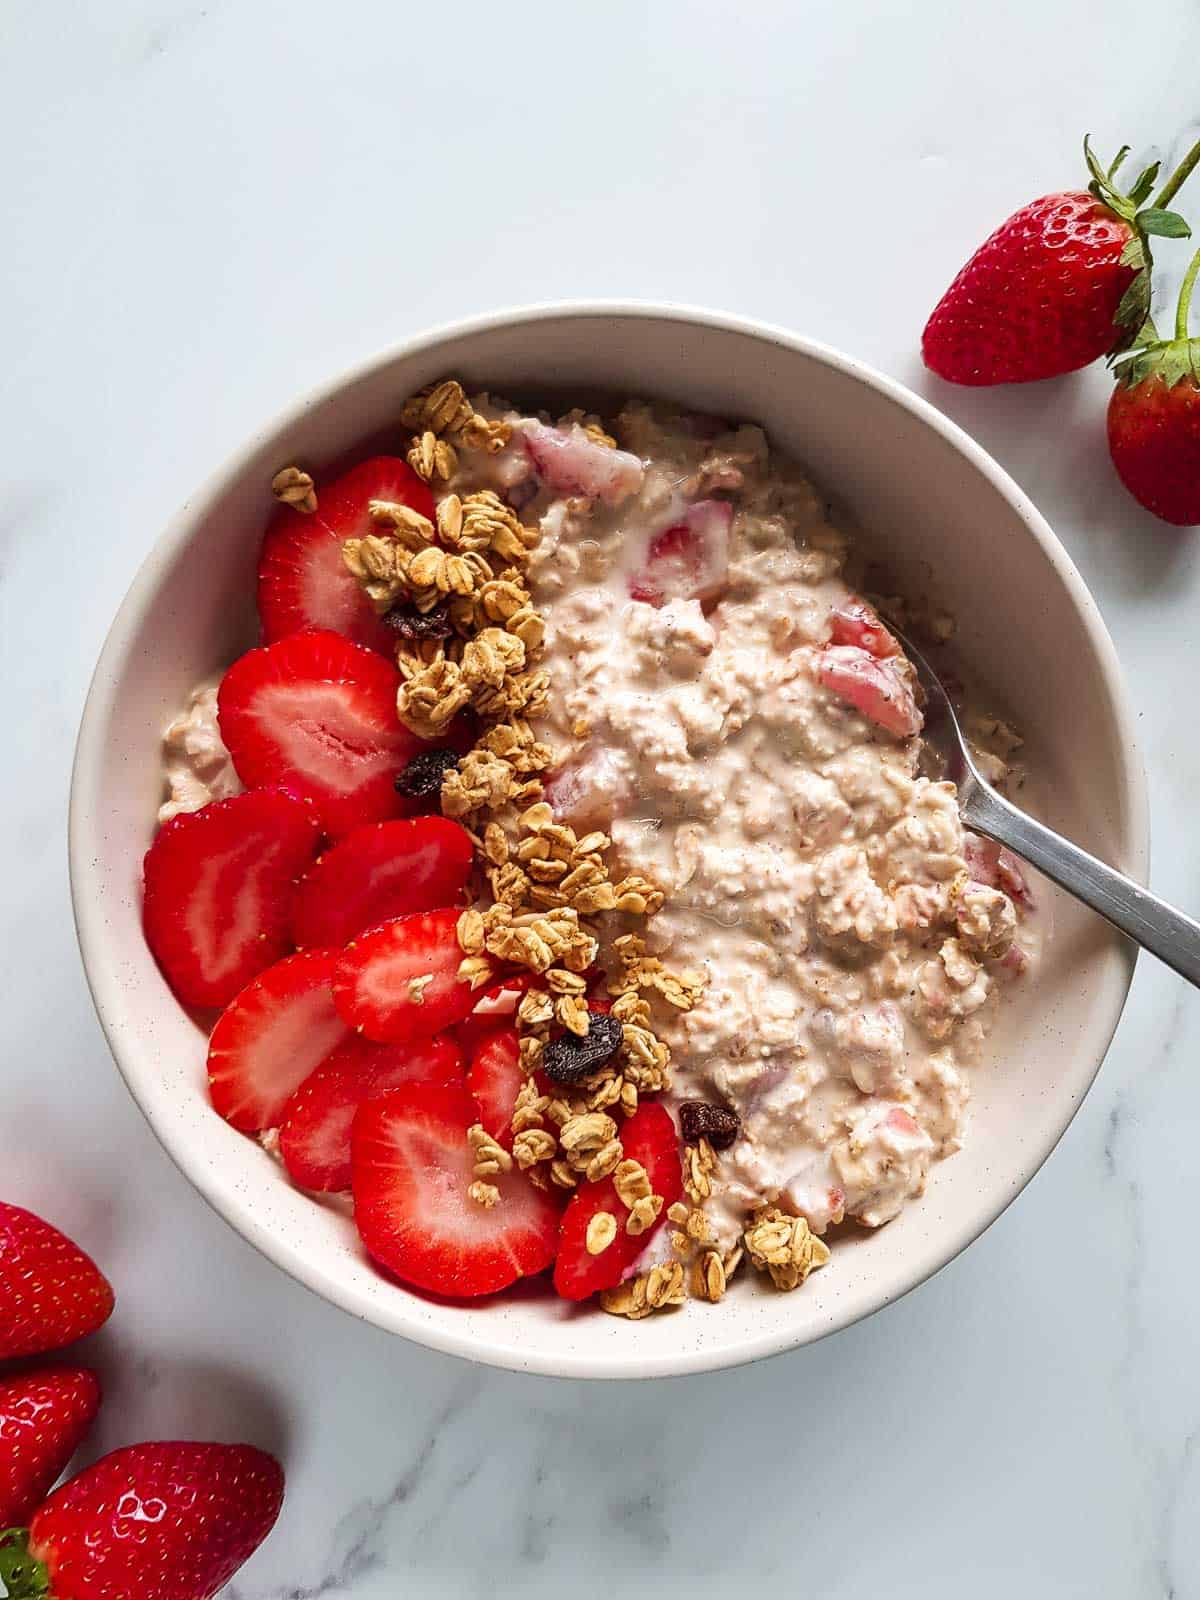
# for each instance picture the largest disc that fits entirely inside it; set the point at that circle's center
(1180, 359)
(1145, 182)
(1166, 224)
(1094, 167)
(1116, 162)
(1102, 185)
(1172, 360)
(1134, 306)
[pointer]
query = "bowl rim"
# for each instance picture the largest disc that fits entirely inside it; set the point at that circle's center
(84, 853)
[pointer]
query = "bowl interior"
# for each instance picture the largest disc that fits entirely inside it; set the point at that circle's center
(936, 508)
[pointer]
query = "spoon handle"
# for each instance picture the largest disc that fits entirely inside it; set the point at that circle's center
(1156, 926)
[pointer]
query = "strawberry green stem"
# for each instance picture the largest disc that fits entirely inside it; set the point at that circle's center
(1185, 297)
(23, 1576)
(1177, 179)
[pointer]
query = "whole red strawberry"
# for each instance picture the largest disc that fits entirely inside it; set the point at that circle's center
(1154, 420)
(150, 1522)
(1063, 282)
(43, 1418)
(50, 1292)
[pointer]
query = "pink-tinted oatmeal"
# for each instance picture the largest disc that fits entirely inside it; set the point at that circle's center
(713, 712)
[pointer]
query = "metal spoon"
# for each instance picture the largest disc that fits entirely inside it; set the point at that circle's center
(1156, 926)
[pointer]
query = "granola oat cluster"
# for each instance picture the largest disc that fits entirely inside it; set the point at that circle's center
(294, 487)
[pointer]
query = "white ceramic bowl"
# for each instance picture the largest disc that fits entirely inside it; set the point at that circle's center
(917, 484)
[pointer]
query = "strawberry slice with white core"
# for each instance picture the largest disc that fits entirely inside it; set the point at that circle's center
(314, 1140)
(277, 1031)
(855, 622)
(219, 884)
(400, 982)
(690, 559)
(649, 1136)
(384, 870)
(412, 1168)
(569, 462)
(495, 1079)
(303, 581)
(871, 687)
(316, 715)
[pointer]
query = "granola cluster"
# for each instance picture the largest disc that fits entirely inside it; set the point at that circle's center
(443, 410)
(466, 568)
(656, 1290)
(574, 1134)
(708, 1270)
(292, 486)
(785, 1247)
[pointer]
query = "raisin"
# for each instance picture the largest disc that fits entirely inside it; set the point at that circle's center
(410, 623)
(699, 1119)
(423, 775)
(569, 1058)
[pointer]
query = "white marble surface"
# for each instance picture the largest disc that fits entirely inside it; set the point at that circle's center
(209, 204)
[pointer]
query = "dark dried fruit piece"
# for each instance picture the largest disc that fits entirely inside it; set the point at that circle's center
(569, 1058)
(422, 777)
(410, 623)
(700, 1119)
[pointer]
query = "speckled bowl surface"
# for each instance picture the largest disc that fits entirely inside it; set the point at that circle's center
(946, 515)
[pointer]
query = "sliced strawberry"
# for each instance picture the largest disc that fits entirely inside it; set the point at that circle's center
(316, 715)
(314, 1140)
(304, 583)
(570, 462)
(345, 505)
(302, 579)
(649, 1137)
(379, 872)
(590, 790)
(219, 888)
(495, 1079)
(690, 559)
(494, 1011)
(855, 622)
(400, 982)
(274, 1034)
(995, 865)
(872, 687)
(412, 1168)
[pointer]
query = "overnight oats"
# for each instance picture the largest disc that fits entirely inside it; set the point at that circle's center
(567, 868)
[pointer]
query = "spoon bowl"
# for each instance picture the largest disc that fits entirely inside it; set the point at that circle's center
(1167, 933)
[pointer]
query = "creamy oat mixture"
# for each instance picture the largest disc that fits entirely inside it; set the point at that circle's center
(854, 944)
(853, 962)
(196, 765)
